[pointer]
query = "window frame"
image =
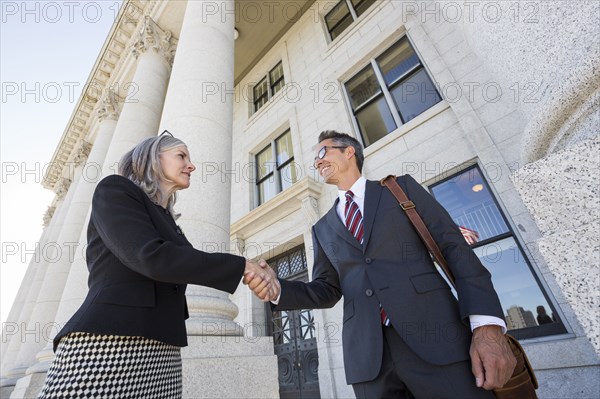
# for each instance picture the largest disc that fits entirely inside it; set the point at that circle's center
(276, 172)
(270, 85)
(540, 331)
(386, 89)
(352, 14)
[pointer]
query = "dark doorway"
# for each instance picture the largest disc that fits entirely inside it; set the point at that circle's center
(294, 335)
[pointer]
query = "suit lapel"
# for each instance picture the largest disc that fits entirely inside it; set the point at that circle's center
(333, 220)
(372, 195)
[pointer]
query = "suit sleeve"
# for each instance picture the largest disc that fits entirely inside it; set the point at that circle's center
(125, 227)
(476, 294)
(322, 292)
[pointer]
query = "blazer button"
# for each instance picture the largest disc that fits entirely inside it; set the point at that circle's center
(368, 261)
(369, 292)
(175, 289)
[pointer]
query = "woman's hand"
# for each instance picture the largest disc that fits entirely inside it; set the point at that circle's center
(262, 280)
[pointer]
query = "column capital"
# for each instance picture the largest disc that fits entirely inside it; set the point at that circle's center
(48, 215)
(82, 152)
(152, 37)
(108, 106)
(62, 188)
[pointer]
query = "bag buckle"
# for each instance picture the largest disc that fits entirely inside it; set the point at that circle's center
(407, 205)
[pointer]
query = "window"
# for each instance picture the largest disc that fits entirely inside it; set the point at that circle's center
(473, 208)
(393, 89)
(343, 14)
(275, 168)
(268, 86)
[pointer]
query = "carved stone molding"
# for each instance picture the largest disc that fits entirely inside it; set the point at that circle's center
(62, 187)
(108, 106)
(48, 215)
(82, 152)
(152, 37)
(301, 196)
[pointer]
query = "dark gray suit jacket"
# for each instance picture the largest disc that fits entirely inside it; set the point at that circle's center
(393, 268)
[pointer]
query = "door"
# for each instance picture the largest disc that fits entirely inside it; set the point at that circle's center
(294, 335)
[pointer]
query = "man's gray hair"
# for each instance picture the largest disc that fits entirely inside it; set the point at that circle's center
(343, 139)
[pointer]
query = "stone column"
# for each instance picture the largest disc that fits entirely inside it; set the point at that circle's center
(204, 123)
(140, 116)
(19, 357)
(546, 55)
(75, 279)
(204, 61)
(12, 330)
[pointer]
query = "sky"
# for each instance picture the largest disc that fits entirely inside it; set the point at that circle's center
(48, 49)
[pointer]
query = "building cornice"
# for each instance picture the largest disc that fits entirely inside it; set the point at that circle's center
(301, 196)
(106, 70)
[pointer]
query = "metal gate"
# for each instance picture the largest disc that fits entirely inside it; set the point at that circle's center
(294, 335)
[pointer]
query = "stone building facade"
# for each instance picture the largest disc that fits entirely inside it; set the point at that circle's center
(491, 105)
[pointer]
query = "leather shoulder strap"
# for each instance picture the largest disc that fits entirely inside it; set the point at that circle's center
(411, 211)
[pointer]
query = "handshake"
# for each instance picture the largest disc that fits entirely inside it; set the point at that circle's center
(262, 280)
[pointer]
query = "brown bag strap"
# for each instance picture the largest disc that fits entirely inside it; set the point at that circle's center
(409, 207)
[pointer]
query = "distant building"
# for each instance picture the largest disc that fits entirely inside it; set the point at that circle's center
(517, 317)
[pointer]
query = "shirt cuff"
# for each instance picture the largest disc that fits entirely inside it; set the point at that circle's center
(478, 320)
(276, 300)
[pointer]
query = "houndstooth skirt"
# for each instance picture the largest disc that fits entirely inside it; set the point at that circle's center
(109, 366)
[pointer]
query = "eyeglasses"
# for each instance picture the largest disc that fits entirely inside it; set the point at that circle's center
(323, 151)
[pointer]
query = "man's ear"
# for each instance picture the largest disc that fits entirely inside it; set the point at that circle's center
(351, 151)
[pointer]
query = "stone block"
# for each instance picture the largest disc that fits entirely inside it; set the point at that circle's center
(569, 383)
(229, 367)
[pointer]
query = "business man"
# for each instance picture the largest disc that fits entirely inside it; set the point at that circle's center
(404, 334)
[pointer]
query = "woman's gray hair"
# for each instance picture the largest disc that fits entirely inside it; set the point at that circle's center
(142, 166)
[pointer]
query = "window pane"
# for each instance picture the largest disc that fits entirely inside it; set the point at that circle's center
(288, 175)
(264, 163)
(360, 6)
(277, 79)
(284, 148)
(471, 205)
(307, 324)
(415, 95)
(267, 190)
(362, 87)
(523, 302)
(397, 60)
(375, 121)
(338, 19)
(282, 332)
(261, 95)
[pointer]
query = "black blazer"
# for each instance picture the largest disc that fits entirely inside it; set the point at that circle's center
(139, 263)
(393, 268)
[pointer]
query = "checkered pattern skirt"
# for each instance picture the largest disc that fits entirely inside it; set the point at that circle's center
(109, 366)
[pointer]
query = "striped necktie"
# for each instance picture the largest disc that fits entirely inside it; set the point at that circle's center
(354, 223)
(354, 219)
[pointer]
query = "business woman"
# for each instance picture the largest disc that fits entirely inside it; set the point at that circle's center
(125, 339)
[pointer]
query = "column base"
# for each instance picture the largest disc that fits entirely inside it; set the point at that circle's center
(28, 387)
(229, 367)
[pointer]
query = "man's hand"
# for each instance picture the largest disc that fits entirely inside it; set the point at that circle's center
(492, 361)
(262, 280)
